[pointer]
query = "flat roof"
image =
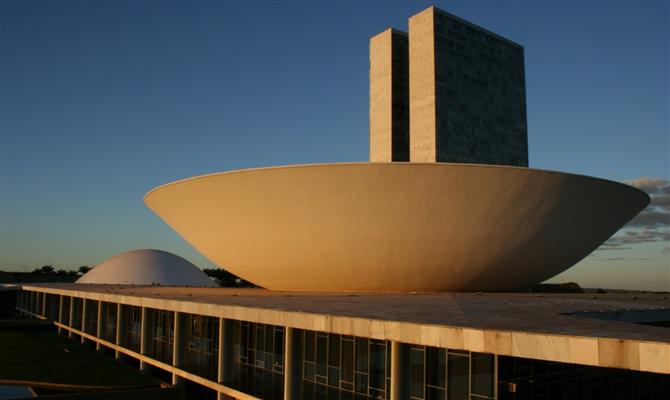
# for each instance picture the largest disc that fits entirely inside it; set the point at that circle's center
(548, 326)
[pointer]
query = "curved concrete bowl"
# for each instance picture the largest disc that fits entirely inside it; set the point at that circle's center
(395, 226)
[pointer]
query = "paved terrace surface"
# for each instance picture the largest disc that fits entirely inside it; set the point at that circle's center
(409, 317)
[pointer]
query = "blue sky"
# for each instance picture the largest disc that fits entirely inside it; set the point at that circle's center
(102, 101)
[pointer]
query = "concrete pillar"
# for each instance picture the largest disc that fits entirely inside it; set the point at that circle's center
(98, 329)
(71, 322)
(120, 329)
(61, 312)
(399, 371)
(83, 318)
(33, 303)
(145, 337)
(44, 305)
(292, 357)
(179, 346)
(225, 362)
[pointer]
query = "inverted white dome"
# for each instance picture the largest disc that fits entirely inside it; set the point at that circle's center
(147, 267)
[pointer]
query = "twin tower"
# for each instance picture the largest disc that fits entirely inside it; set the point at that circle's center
(449, 91)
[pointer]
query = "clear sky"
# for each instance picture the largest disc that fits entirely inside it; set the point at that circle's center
(102, 101)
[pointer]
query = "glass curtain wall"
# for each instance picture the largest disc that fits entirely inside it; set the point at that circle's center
(202, 351)
(66, 310)
(76, 312)
(133, 317)
(91, 316)
(442, 374)
(338, 366)
(526, 379)
(258, 359)
(163, 335)
(108, 328)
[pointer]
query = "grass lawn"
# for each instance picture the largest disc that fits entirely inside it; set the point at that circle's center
(46, 356)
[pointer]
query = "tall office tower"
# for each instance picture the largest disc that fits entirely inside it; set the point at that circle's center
(389, 96)
(467, 93)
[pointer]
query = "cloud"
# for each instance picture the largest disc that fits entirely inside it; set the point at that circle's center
(650, 185)
(651, 218)
(657, 214)
(652, 224)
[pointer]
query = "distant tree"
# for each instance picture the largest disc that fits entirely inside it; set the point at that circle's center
(226, 279)
(61, 272)
(46, 269)
(83, 269)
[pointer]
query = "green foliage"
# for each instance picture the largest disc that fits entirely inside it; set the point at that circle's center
(226, 279)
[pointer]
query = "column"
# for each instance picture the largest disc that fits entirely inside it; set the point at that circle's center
(145, 337)
(225, 363)
(83, 318)
(98, 329)
(44, 305)
(179, 349)
(120, 329)
(70, 334)
(292, 357)
(399, 371)
(61, 312)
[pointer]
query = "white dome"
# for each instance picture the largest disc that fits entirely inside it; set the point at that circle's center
(147, 267)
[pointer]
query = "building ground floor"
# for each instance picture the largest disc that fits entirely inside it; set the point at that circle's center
(251, 344)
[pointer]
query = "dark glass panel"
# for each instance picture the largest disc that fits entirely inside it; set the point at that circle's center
(334, 376)
(482, 374)
(309, 371)
(433, 393)
(458, 370)
(416, 364)
(361, 355)
(321, 353)
(361, 383)
(347, 361)
(279, 347)
(377, 365)
(309, 346)
(334, 350)
(269, 338)
(436, 366)
(244, 334)
(260, 337)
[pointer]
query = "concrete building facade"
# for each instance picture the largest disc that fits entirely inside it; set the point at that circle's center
(466, 94)
(389, 96)
(259, 344)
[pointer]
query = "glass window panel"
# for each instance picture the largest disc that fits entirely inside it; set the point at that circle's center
(269, 331)
(482, 374)
(260, 337)
(361, 355)
(416, 365)
(309, 346)
(377, 365)
(279, 347)
(309, 371)
(433, 393)
(347, 361)
(334, 376)
(458, 370)
(361, 383)
(334, 350)
(436, 366)
(321, 353)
